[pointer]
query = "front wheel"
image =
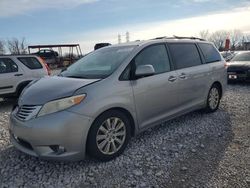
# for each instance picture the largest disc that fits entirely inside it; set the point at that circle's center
(213, 98)
(109, 135)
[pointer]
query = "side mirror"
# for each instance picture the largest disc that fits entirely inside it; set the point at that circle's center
(144, 70)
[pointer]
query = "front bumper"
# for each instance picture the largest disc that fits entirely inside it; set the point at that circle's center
(58, 136)
(238, 76)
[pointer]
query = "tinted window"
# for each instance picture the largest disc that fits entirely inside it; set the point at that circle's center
(210, 53)
(156, 56)
(7, 65)
(185, 55)
(30, 62)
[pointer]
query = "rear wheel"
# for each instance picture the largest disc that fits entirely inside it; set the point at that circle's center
(213, 98)
(109, 135)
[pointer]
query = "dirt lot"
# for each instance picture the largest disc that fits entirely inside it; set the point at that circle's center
(195, 150)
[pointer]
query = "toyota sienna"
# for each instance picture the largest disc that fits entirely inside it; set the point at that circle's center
(99, 102)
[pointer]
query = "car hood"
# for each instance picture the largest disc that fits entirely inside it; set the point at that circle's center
(238, 65)
(51, 88)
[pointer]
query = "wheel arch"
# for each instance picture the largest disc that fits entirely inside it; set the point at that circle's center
(124, 111)
(21, 86)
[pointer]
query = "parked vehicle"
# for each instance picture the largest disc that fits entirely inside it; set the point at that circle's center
(228, 55)
(101, 45)
(49, 56)
(116, 92)
(17, 71)
(239, 67)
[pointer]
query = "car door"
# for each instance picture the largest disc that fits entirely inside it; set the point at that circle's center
(192, 74)
(154, 95)
(33, 67)
(9, 75)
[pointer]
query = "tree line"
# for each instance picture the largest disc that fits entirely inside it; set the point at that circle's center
(237, 38)
(13, 46)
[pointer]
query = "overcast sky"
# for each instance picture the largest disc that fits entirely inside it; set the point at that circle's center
(90, 21)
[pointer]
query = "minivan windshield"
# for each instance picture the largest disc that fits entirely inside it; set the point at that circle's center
(242, 57)
(98, 64)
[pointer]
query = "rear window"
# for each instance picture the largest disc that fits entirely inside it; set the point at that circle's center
(210, 53)
(31, 62)
(185, 55)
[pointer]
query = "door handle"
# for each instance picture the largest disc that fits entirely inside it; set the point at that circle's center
(172, 78)
(183, 76)
(18, 74)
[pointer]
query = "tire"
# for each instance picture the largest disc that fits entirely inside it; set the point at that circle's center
(108, 135)
(213, 98)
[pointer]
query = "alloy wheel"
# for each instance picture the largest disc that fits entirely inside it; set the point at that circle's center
(214, 98)
(111, 135)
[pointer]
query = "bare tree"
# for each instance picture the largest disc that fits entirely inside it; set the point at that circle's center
(17, 46)
(246, 37)
(236, 37)
(218, 38)
(2, 47)
(204, 34)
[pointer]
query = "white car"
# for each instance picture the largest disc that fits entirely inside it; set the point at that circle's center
(17, 71)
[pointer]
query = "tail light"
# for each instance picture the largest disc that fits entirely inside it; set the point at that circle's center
(226, 65)
(46, 66)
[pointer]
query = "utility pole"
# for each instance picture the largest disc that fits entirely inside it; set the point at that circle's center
(127, 36)
(119, 39)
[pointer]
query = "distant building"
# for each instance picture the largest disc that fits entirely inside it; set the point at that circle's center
(246, 45)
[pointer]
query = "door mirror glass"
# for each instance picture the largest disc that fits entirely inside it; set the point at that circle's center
(144, 70)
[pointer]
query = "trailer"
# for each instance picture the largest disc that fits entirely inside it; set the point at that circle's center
(53, 54)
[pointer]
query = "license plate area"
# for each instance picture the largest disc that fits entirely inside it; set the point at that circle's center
(232, 76)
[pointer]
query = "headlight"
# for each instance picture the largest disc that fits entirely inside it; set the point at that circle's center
(61, 104)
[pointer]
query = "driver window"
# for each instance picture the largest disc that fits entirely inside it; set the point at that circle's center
(156, 56)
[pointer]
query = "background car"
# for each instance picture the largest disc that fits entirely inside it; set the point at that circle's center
(17, 71)
(228, 55)
(49, 56)
(101, 45)
(239, 67)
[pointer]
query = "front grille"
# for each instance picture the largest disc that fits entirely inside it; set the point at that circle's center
(240, 72)
(237, 69)
(26, 112)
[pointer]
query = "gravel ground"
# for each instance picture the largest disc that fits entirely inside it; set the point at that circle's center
(195, 150)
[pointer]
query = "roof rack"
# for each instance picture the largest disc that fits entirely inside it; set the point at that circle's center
(193, 38)
(158, 38)
(178, 37)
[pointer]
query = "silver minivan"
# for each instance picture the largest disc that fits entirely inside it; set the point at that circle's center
(98, 103)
